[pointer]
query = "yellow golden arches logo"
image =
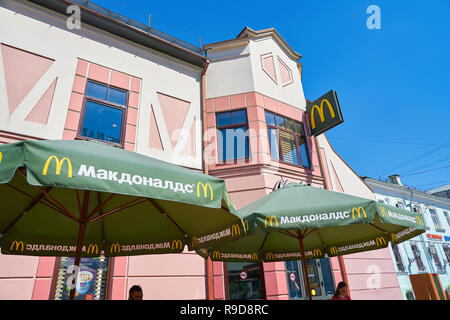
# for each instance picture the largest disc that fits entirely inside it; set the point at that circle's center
(246, 225)
(317, 253)
(358, 211)
(254, 256)
(383, 212)
(270, 256)
(235, 230)
(380, 241)
(17, 244)
(91, 249)
(321, 114)
(194, 241)
(271, 219)
(1, 156)
(419, 221)
(216, 254)
(393, 238)
(115, 247)
(177, 244)
(58, 165)
(205, 190)
(334, 250)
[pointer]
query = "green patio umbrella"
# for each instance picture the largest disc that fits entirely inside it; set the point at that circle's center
(79, 198)
(303, 222)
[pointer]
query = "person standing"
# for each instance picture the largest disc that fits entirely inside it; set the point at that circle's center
(135, 293)
(341, 292)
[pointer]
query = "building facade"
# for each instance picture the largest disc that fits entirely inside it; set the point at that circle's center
(429, 252)
(233, 109)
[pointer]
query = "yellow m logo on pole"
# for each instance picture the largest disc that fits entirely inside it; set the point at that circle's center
(321, 114)
(58, 165)
(205, 190)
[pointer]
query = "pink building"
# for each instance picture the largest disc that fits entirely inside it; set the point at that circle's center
(167, 100)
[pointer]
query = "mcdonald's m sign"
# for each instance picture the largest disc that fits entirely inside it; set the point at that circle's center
(324, 113)
(205, 188)
(59, 164)
(17, 245)
(115, 247)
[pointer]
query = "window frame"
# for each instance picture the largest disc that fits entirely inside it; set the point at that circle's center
(107, 103)
(244, 160)
(297, 136)
(437, 223)
(418, 256)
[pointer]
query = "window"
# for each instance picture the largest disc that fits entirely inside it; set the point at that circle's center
(245, 281)
(447, 216)
(399, 205)
(435, 219)
(104, 114)
(446, 248)
(233, 139)
(433, 253)
(287, 140)
(398, 259)
(417, 257)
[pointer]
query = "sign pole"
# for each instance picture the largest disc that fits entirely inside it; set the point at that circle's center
(305, 269)
(81, 233)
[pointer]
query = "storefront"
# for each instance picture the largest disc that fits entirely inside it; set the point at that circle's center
(167, 98)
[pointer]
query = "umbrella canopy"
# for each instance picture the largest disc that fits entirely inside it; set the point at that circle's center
(78, 198)
(302, 222)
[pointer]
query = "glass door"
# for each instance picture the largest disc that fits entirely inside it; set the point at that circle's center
(244, 281)
(320, 279)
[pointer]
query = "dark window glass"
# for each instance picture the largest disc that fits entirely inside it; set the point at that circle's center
(223, 119)
(270, 119)
(96, 90)
(233, 141)
(281, 121)
(293, 277)
(102, 122)
(398, 259)
(239, 116)
(244, 281)
(304, 154)
(117, 96)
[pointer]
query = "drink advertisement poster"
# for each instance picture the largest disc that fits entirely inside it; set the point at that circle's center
(91, 284)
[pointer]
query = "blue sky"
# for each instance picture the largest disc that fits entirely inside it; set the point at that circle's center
(393, 84)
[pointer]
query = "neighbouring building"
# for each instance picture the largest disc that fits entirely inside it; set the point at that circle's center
(239, 102)
(429, 252)
(443, 191)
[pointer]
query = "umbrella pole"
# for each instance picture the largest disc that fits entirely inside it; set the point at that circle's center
(80, 240)
(305, 269)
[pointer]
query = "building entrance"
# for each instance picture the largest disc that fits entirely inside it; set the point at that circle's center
(320, 279)
(245, 281)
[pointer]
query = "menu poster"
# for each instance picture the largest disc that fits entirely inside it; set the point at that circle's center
(91, 284)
